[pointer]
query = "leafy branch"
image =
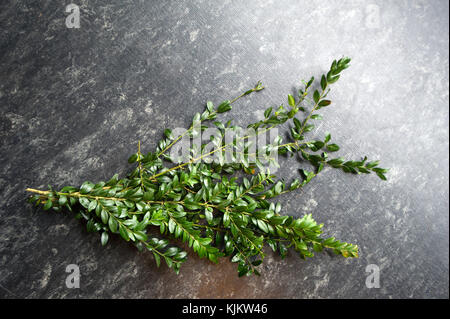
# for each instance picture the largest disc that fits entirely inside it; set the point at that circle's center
(218, 209)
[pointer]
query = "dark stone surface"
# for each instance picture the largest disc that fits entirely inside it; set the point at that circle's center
(74, 103)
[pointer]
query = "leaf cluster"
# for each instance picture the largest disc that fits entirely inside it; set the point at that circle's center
(208, 206)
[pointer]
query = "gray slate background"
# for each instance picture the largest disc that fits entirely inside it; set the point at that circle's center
(74, 103)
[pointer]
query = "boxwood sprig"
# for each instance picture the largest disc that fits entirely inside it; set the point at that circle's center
(211, 206)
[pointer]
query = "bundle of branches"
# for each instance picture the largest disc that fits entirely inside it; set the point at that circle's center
(205, 204)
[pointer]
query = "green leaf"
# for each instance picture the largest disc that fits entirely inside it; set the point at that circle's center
(209, 214)
(308, 128)
(295, 184)
(92, 205)
(336, 162)
(140, 235)
(104, 238)
(62, 200)
(68, 189)
(263, 226)
(84, 202)
(104, 216)
(48, 204)
(381, 176)
(317, 145)
(246, 183)
(168, 134)
(107, 202)
(291, 100)
(380, 170)
(112, 223)
(224, 107)
(172, 225)
(157, 259)
(333, 79)
(213, 258)
(172, 251)
(317, 247)
(148, 196)
(226, 219)
(278, 187)
(197, 117)
(332, 147)
(168, 261)
(210, 106)
(123, 232)
(311, 80)
(113, 181)
(243, 272)
(316, 96)
(297, 123)
(86, 187)
(324, 103)
(133, 158)
(323, 83)
(363, 170)
(240, 202)
(372, 164)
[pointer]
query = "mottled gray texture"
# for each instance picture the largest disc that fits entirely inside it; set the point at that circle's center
(74, 103)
